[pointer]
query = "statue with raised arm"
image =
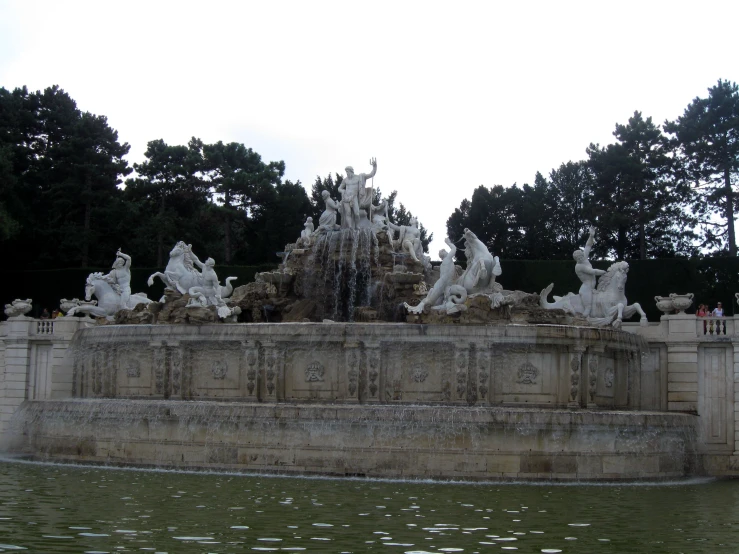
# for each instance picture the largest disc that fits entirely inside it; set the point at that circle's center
(444, 295)
(120, 278)
(409, 239)
(209, 292)
(586, 273)
(352, 195)
(327, 221)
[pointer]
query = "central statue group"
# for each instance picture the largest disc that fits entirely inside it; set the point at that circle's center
(358, 212)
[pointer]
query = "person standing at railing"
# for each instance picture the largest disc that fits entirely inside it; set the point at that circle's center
(702, 311)
(718, 311)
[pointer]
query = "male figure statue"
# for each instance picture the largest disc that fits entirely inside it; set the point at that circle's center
(409, 239)
(447, 277)
(120, 278)
(586, 273)
(210, 291)
(351, 189)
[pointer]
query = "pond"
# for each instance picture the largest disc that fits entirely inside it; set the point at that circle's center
(58, 508)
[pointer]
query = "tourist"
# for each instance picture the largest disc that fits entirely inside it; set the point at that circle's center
(718, 311)
(45, 314)
(702, 311)
(56, 313)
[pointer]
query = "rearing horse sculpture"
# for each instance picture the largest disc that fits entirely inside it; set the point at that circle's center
(109, 301)
(181, 275)
(610, 306)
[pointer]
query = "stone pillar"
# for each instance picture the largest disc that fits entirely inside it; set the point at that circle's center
(483, 374)
(350, 375)
(17, 359)
(682, 376)
(460, 373)
(270, 369)
(735, 344)
(160, 368)
(370, 375)
(250, 353)
(593, 358)
(575, 380)
(176, 369)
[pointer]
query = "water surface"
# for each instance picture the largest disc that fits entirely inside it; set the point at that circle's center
(54, 508)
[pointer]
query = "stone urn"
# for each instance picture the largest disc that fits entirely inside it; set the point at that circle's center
(18, 307)
(664, 304)
(66, 305)
(682, 302)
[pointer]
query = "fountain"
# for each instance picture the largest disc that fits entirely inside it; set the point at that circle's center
(347, 362)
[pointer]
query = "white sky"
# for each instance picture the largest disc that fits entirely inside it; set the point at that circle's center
(446, 95)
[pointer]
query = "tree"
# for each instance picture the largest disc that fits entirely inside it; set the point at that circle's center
(239, 178)
(707, 139)
(60, 169)
(638, 201)
(171, 179)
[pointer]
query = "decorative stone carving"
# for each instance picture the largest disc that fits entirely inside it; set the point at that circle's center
(575, 367)
(251, 372)
(592, 378)
(176, 357)
(18, 307)
(271, 373)
(374, 372)
(133, 368)
(419, 374)
(608, 377)
(306, 235)
(409, 240)
(219, 369)
(314, 372)
(527, 374)
(609, 304)
(352, 373)
(483, 374)
(681, 301)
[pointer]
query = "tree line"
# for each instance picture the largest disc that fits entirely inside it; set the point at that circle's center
(64, 201)
(657, 192)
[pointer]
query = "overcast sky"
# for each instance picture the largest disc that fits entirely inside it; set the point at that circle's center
(446, 95)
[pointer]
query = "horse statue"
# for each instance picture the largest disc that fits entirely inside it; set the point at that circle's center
(610, 306)
(109, 300)
(451, 291)
(181, 275)
(482, 266)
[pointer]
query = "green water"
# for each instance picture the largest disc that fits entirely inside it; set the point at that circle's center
(52, 508)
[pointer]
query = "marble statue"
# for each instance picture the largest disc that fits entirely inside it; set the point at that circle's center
(609, 305)
(379, 216)
(586, 273)
(354, 197)
(444, 295)
(66, 305)
(451, 291)
(482, 266)
(18, 307)
(181, 275)
(109, 298)
(409, 239)
(120, 278)
(306, 235)
(208, 293)
(327, 221)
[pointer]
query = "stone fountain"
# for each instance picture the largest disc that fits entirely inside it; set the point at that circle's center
(357, 357)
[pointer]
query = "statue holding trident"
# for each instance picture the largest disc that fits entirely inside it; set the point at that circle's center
(353, 194)
(586, 273)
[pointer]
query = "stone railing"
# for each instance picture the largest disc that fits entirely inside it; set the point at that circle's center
(715, 326)
(45, 327)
